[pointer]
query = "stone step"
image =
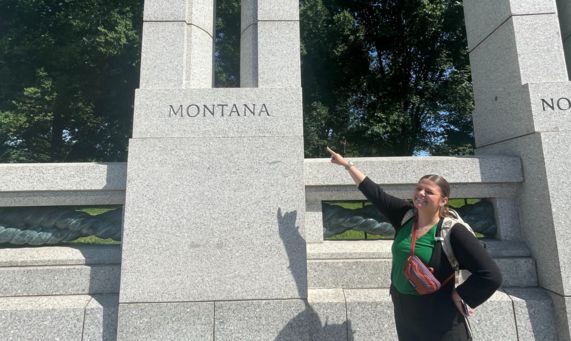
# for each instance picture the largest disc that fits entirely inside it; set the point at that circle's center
(332, 315)
(78, 317)
(375, 273)
(367, 263)
(47, 271)
(59, 280)
(378, 249)
(61, 255)
(524, 312)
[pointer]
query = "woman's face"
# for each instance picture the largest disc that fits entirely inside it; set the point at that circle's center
(427, 196)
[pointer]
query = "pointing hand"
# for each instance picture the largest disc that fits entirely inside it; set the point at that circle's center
(337, 159)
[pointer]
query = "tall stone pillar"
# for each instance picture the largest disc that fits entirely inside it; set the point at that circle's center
(213, 239)
(564, 9)
(523, 108)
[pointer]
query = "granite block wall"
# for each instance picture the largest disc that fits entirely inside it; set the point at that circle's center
(522, 100)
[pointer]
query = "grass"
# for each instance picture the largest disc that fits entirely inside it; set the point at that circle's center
(93, 240)
(358, 235)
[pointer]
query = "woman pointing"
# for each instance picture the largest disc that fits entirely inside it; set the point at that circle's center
(440, 315)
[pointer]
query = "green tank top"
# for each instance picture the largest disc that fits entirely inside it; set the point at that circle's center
(401, 252)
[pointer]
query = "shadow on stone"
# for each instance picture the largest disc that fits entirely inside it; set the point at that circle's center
(295, 248)
(308, 321)
(101, 318)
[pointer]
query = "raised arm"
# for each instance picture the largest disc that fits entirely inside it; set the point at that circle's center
(356, 174)
(391, 207)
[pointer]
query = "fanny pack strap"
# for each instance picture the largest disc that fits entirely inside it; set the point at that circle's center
(413, 245)
(413, 242)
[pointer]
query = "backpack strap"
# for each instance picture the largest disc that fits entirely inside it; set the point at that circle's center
(444, 237)
(407, 217)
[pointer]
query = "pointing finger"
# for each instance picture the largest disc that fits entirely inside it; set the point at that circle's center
(331, 151)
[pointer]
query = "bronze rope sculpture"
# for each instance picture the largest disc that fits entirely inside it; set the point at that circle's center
(50, 226)
(337, 220)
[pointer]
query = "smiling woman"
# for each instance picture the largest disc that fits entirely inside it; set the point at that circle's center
(441, 244)
(431, 194)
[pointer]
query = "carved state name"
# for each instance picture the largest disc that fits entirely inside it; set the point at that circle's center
(218, 110)
(561, 104)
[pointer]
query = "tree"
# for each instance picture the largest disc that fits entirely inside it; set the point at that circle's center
(227, 55)
(383, 77)
(69, 69)
(396, 73)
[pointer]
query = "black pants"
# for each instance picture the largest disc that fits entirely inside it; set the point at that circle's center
(431, 317)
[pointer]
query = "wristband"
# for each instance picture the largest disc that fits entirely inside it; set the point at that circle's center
(349, 165)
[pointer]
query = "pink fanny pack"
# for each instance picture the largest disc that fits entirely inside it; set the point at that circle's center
(418, 274)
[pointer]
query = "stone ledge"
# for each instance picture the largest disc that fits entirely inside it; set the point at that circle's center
(364, 314)
(104, 183)
(474, 190)
(358, 249)
(166, 321)
(61, 255)
(349, 274)
(371, 314)
(59, 280)
(55, 177)
(462, 171)
(78, 317)
(407, 170)
(42, 318)
(375, 273)
(62, 198)
(381, 249)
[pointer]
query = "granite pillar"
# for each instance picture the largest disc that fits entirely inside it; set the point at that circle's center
(215, 198)
(523, 109)
(270, 45)
(178, 45)
(564, 10)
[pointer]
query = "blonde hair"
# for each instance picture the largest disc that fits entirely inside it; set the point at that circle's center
(444, 191)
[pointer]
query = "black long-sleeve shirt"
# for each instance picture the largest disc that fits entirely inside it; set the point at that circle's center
(486, 277)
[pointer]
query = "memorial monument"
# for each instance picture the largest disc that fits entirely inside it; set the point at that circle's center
(521, 88)
(218, 170)
(223, 219)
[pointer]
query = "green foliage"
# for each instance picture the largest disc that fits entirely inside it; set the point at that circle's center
(383, 77)
(69, 69)
(386, 77)
(227, 56)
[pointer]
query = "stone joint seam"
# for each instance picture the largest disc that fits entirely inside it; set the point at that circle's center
(349, 329)
(252, 24)
(220, 301)
(511, 138)
(554, 293)
(214, 321)
(215, 137)
(61, 266)
(84, 315)
(202, 30)
(180, 21)
(515, 317)
(259, 21)
(503, 22)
